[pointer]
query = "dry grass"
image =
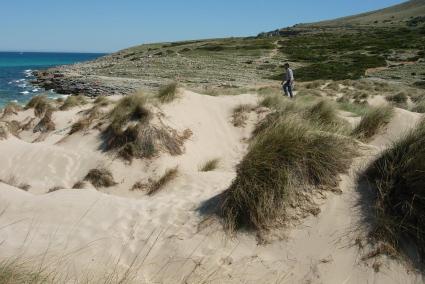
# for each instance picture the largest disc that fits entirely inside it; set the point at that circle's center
(79, 185)
(210, 165)
(419, 107)
(4, 131)
(100, 177)
(399, 99)
(398, 182)
(46, 124)
(240, 116)
(11, 109)
(40, 104)
(85, 122)
(133, 136)
(168, 93)
(14, 272)
(272, 101)
(289, 157)
(372, 122)
(73, 101)
(102, 101)
(165, 179)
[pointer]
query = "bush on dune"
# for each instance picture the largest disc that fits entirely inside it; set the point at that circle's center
(100, 177)
(11, 108)
(168, 93)
(399, 99)
(373, 120)
(398, 183)
(73, 101)
(40, 104)
(325, 113)
(289, 157)
(102, 101)
(209, 165)
(165, 179)
(85, 122)
(46, 124)
(419, 107)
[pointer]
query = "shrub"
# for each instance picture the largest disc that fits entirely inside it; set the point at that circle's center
(128, 108)
(168, 93)
(373, 120)
(398, 185)
(100, 177)
(73, 101)
(286, 159)
(419, 107)
(166, 178)
(85, 122)
(102, 101)
(40, 104)
(209, 165)
(239, 115)
(46, 124)
(11, 108)
(399, 99)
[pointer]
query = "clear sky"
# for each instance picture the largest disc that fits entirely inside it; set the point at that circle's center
(110, 25)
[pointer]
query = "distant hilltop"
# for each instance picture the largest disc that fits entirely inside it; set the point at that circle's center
(409, 13)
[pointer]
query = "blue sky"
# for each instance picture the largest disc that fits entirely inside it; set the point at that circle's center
(110, 25)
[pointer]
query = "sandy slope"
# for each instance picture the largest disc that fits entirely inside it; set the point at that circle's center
(164, 238)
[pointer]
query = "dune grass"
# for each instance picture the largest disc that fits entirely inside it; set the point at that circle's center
(399, 99)
(73, 101)
(209, 165)
(46, 124)
(239, 115)
(85, 122)
(398, 182)
(357, 109)
(373, 121)
(11, 108)
(102, 101)
(272, 101)
(100, 177)
(13, 272)
(40, 104)
(165, 179)
(288, 157)
(419, 107)
(168, 93)
(131, 133)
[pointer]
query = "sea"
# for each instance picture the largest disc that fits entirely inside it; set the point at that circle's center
(16, 72)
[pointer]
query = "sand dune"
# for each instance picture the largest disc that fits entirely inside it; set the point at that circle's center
(164, 238)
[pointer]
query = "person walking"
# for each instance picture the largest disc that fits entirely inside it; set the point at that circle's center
(288, 81)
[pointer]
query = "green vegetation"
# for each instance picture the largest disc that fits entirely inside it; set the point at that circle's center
(168, 93)
(288, 159)
(399, 99)
(40, 104)
(11, 108)
(355, 108)
(12, 272)
(73, 101)
(373, 120)
(165, 179)
(239, 115)
(100, 177)
(339, 56)
(209, 165)
(399, 192)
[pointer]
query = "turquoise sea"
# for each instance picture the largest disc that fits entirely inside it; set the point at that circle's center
(16, 72)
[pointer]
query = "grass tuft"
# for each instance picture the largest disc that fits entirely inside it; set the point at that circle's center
(102, 101)
(46, 124)
(399, 99)
(398, 186)
(100, 177)
(73, 101)
(373, 121)
(11, 271)
(288, 157)
(239, 115)
(11, 108)
(165, 179)
(209, 165)
(40, 104)
(168, 93)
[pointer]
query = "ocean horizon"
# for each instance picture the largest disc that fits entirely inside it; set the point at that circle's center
(16, 72)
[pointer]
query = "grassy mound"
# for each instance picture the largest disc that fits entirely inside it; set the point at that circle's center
(100, 178)
(325, 113)
(46, 124)
(131, 133)
(40, 104)
(73, 101)
(168, 93)
(398, 182)
(11, 108)
(288, 158)
(373, 120)
(85, 122)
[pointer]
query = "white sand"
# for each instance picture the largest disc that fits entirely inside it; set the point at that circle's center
(164, 238)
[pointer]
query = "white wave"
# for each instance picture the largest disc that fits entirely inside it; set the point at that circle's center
(35, 90)
(25, 92)
(22, 85)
